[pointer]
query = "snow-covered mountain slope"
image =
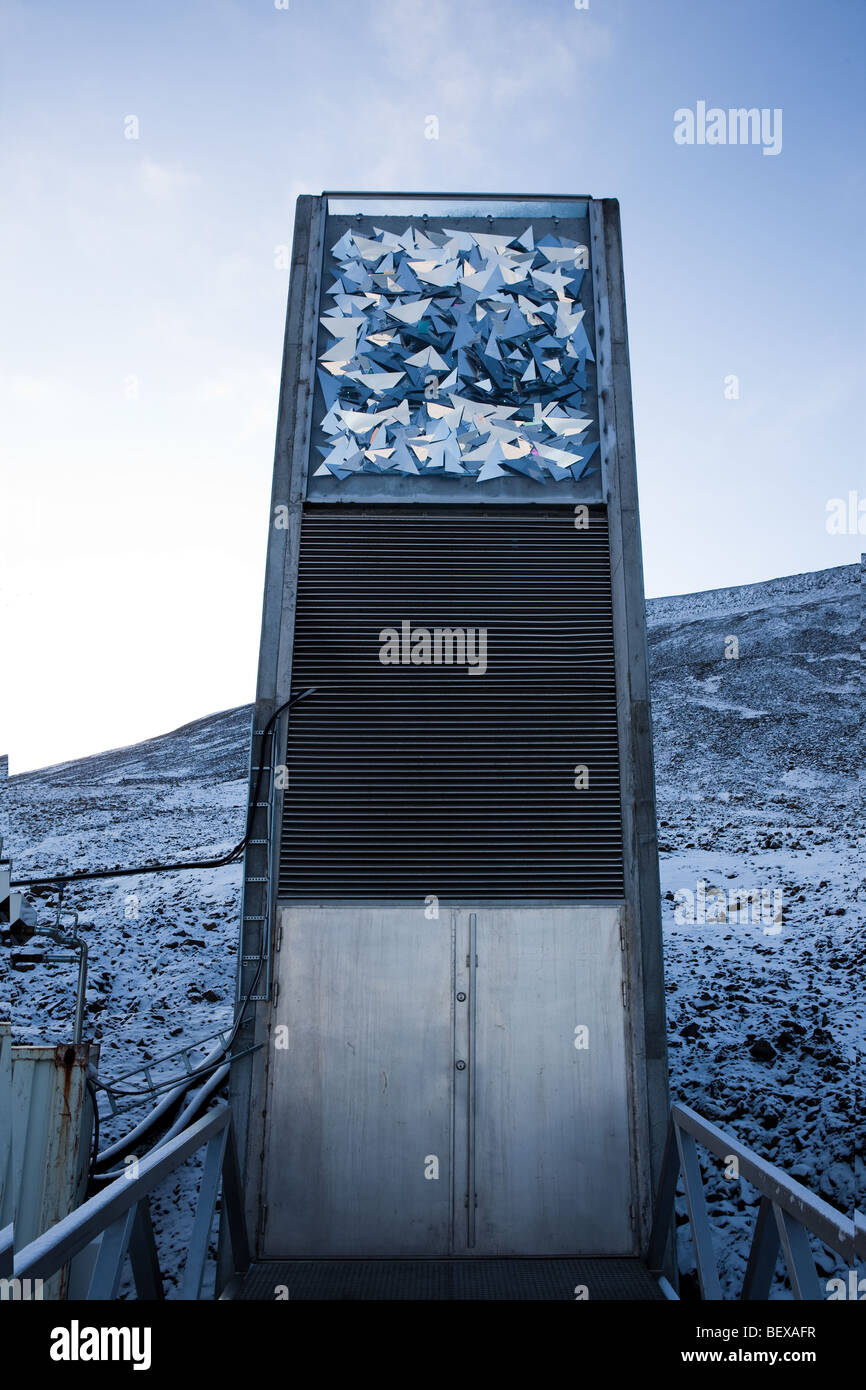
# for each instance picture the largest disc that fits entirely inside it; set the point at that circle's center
(756, 769)
(757, 787)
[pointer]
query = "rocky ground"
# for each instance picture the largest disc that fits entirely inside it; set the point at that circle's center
(757, 772)
(757, 777)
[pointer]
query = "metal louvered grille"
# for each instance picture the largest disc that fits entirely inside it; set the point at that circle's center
(409, 780)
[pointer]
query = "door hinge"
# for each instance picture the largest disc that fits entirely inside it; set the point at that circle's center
(621, 931)
(624, 993)
(276, 993)
(278, 938)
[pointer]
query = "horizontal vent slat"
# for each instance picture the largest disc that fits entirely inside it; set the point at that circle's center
(406, 780)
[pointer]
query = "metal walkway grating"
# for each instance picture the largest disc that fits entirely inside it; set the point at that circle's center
(513, 1280)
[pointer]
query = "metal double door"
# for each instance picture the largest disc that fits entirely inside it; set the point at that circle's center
(448, 1081)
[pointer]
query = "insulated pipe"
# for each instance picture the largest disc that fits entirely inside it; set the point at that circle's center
(142, 1128)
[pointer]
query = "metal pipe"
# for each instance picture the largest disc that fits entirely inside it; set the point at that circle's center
(120, 1146)
(81, 992)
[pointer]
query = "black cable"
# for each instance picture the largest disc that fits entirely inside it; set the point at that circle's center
(200, 864)
(62, 879)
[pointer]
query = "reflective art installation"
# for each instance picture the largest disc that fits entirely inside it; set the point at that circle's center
(456, 353)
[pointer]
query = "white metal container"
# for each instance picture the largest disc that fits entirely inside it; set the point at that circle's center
(51, 1127)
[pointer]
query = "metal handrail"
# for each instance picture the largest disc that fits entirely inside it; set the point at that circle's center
(786, 1214)
(6, 1245)
(119, 1217)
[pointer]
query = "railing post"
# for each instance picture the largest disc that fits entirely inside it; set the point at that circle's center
(6, 1251)
(204, 1213)
(143, 1254)
(105, 1279)
(664, 1207)
(233, 1205)
(699, 1220)
(798, 1257)
(762, 1255)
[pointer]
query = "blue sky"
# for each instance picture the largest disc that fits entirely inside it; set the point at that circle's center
(143, 309)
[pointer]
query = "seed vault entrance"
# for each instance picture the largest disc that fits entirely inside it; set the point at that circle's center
(450, 960)
(436, 1096)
